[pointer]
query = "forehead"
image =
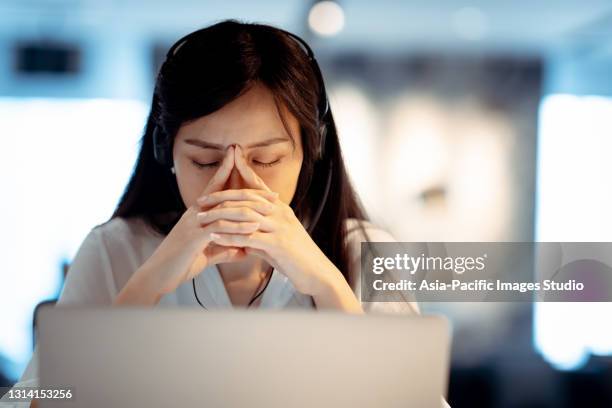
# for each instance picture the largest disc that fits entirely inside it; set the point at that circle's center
(249, 118)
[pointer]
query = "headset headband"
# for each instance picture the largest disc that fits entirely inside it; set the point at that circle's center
(323, 105)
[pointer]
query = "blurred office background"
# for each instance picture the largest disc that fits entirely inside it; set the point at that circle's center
(460, 121)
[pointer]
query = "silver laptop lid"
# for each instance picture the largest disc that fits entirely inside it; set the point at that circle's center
(175, 357)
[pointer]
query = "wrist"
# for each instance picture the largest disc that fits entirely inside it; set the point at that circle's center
(331, 290)
(327, 280)
(140, 289)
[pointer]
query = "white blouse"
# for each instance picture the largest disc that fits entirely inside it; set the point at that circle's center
(112, 251)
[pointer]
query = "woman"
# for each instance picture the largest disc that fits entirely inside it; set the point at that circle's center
(239, 196)
(240, 111)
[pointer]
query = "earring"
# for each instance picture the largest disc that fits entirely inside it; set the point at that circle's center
(172, 170)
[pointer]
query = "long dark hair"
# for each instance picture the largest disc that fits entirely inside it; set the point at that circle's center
(206, 74)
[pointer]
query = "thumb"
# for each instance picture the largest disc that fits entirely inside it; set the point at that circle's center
(260, 254)
(218, 254)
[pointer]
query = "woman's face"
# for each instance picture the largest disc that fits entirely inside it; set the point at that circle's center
(251, 121)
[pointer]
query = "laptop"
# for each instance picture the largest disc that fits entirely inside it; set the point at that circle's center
(188, 357)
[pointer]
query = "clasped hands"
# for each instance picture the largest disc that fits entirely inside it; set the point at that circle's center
(270, 229)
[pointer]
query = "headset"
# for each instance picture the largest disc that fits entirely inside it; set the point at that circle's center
(162, 149)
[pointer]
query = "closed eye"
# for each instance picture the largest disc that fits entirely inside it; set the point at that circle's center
(216, 163)
(270, 164)
(205, 165)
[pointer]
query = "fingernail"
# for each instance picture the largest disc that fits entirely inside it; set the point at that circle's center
(214, 236)
(202, 199)
(203, 214)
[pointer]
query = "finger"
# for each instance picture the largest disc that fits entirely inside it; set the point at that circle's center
(220, 177)
(263, 207)
(257, 240)
(247, 172)
(232, 214)
(216, 197)
(228, 227)
(218, 254)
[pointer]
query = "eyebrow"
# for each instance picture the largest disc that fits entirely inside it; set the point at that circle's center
(215, 146)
